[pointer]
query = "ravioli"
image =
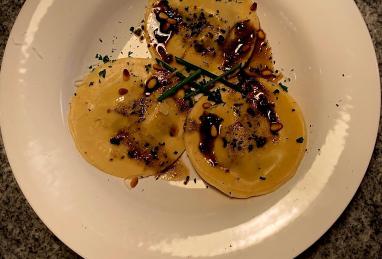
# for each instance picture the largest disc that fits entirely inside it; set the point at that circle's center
(246, 146)
(215, 35)
(134, 118)
(119, 126)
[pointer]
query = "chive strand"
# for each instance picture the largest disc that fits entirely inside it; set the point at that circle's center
(179, 85)
(206, 72)
(178, 74)
(165, 65)
(213, 81)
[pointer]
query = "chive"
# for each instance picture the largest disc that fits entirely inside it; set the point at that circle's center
(213, 81)
(165, 65)
(284, 87)
(218, 78)
(207, 73)
(178, 74)
(170, 68)
(179, 85)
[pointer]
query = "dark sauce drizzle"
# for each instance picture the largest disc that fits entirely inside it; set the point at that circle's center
(169, 22)
(256, 96)
(207, 141)
(243, 42)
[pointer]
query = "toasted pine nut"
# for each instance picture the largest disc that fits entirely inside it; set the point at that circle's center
(171, 21)
(261, 34)
(134, 182)
(157, 67)
(163, 16)
(122, 91)
(214, 131)
(276, 126)
(266, 72)
(180, 93)
(207, 105)
(126, 75)
(152, 83)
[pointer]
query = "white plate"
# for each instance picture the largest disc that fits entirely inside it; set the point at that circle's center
(327, 45)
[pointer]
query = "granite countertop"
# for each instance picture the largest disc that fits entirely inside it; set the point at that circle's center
(356, 234)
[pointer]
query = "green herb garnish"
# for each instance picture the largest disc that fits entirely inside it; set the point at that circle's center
(148, 68)
(106, 59)
(98, 56)
(284, 87)
(170, 68)
(206, 72)
(102, 73)
(165, 65)
(177, 73)
(213, 81)
(179, 85)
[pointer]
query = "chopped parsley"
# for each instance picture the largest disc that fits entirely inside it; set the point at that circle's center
(98, 56)
(148, 68)
(102, 73)
(106, 59)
